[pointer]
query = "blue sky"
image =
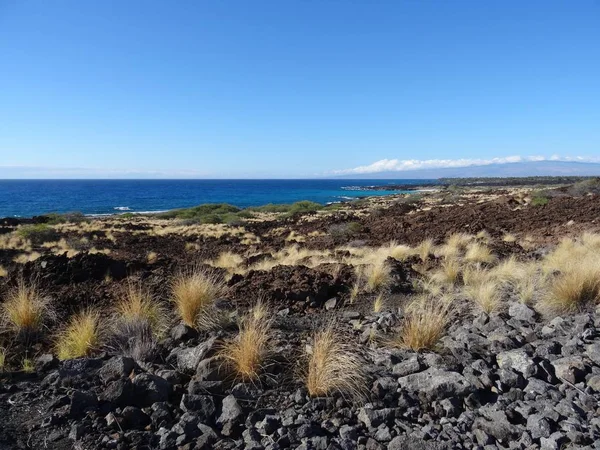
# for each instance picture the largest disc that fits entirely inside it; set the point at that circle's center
(293, 88)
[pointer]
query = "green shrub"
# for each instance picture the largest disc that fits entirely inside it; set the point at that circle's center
(207, 213)
(539, 199)
(39, 233)
(71, 217)
(304, 206)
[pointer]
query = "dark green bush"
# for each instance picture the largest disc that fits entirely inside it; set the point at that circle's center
(539, 199)
(71, 217)
(38, 234)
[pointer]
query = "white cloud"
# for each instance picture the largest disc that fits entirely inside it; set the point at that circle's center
(400, 165)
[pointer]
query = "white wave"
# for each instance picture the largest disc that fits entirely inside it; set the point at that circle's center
(122, 208)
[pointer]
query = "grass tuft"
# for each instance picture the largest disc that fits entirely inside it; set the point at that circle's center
(333, 367)
(424, 249)
(248, 351)
(424, 325)
(574, 288)
(379, 304)
(194, 291)
(479, 253)
(25, 310)
(485, 294)
(139, 305)
(378, 276)
(448, 272)
(81, 336)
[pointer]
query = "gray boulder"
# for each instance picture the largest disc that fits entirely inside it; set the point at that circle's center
(232, 416)
(517, 360)
(436, 384)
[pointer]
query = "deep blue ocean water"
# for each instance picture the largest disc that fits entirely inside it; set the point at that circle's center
(26, 198)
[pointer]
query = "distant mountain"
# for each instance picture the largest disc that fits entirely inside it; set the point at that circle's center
(519, 169)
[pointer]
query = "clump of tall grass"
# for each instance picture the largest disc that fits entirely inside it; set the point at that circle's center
(229, 261)
(247, 353)
(425, 324)
(479, 253)
(25, 310)
(575, 287)
(424, 249)
(333, 367)
(485, 295)
(81, 336)
(138, 304)
(379, 303)
(378, 276)
(194, 291)
(139, 321)
(448, 273)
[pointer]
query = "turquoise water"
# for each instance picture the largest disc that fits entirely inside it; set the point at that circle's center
(26, 198)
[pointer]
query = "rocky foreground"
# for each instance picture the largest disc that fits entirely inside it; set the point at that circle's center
(502, 381)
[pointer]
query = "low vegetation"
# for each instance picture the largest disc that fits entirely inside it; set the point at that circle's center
(194, 291)
(25, 310)
(248, 352)
(425, 324)
(81, 336)
(333, 366)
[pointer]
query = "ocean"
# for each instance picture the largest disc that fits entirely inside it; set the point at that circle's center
(27, 198)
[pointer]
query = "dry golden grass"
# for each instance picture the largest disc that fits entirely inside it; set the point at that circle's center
(13, 241)
(591, 240)
(3, 271)
(459, 240)
(473, 276)
(378, 276)
(509, 270)
(295, 237)
(3, 354)
(528, 288)
(247, 353)
(81, 336)
(509, 237)
(448, 272)
(229, 261)
(294, 256)
(25, 310)
(139, 305)
(429, 287)
(26, 257)
(575, 287)
(424, 249)
(485, 295)
(479, 253)
(454, 247)
(357, 286)
(484, 236)
(151, 257)
(379, 303)
(191, 246)
(332, 366)
(425, 324)
(194, 291)
(401, 252)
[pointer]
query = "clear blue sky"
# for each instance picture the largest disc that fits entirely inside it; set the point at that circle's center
(294, 88)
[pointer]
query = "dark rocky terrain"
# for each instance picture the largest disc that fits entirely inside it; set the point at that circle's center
(515, 377)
